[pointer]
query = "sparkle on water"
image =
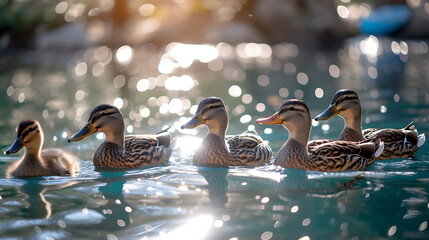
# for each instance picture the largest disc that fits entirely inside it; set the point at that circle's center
(157, 88)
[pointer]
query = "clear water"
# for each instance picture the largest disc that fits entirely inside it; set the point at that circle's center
(181, 201)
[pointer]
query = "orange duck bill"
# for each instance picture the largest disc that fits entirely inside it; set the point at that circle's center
(274, 119)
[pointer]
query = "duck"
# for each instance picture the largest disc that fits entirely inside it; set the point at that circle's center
(330, 156)
(37, 162)
(398, 143)
(218, 151)
(118, 150)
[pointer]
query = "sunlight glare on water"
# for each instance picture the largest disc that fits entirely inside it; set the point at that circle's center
(156, 87)
(194, 228)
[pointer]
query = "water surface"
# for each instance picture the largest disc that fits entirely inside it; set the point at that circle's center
(158, 87)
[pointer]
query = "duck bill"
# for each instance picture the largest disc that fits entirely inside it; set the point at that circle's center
(327, 114)
(16, 146)
(194, 122)
(274, 119)
(87, 130)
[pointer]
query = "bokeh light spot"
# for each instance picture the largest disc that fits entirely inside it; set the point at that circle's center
(334, 71)
(245, 118)
(319, 92)
(260, 107)
(124, 54)
(283, 92)
(263, 80)
(302, 78)
(234, 91)
(246, 98)
(118, 102)
(147, 9)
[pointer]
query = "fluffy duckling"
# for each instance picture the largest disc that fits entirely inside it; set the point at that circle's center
(215, 150)
(398, 143)
(118, 150)
(37, 162)
(333, 156)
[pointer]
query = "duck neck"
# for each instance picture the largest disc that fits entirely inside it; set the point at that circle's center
(218, 126)
(116, 135)
(32, 155)
(300, 133)
(34, 149)
(354, 123)
(353, 118)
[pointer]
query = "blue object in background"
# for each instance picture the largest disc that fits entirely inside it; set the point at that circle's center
(386, 20)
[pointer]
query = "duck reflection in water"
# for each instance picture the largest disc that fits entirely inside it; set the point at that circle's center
(304, 184)
(116, 210)
(217, 185)
(306, 193)
(37, 206)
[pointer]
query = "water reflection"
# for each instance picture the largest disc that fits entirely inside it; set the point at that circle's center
(37, 205)
(217, 185)
(156, 86)
(116, 209)
(299, 184)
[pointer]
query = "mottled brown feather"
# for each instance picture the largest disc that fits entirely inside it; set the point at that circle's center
(139, 151)
(243, 149)
(394, 139)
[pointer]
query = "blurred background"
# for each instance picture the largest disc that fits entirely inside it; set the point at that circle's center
(157, 59)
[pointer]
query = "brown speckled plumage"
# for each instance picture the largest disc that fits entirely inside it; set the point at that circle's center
(139, 151)
(119, 151)
(349, 134)
(398, 143)
(325, 155)
(215, 149)
(37, 162)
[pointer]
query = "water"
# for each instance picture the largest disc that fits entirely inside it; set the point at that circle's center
(156, 87)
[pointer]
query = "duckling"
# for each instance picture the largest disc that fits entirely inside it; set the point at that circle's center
(215, 150)
(118, 150)
(398, 143)
(333, 156)
(37, 162)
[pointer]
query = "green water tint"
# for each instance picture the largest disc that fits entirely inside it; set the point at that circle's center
(181, 201)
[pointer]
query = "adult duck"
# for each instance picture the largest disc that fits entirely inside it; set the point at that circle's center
(118, 150)
(215, 149)
(331, 156)
(398, 143)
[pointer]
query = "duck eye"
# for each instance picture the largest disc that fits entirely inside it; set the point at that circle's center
(211, 107)
(291, 108)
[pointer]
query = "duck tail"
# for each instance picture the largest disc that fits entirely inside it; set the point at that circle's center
(379, 149)
(162, 131)
(173, 143)
(422, 140)
(410, 126)
(171, 148)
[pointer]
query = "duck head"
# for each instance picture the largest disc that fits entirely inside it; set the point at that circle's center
(29, 135)
(103, 118)
(294, 115)
(344, 103)
(211, 112)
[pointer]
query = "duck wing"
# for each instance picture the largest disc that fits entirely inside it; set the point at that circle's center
(399, 143)
(312, 145)
(390, 134)
(342, 155)
(248, 149)
(336, 148)
(145, 150)
(245, 140)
